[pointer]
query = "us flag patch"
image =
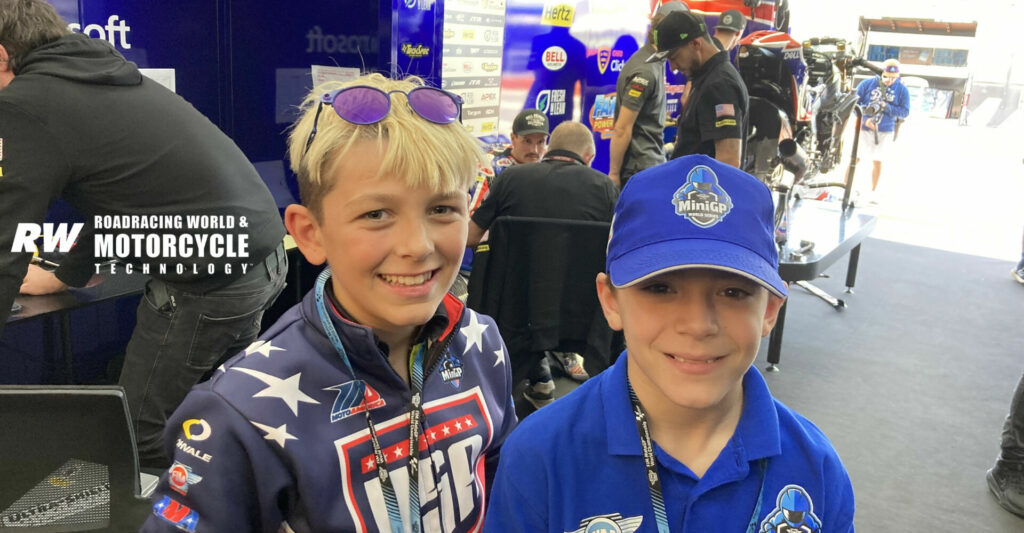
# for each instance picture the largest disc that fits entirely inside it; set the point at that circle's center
(725, 110)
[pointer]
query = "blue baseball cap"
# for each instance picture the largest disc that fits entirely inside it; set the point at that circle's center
(694, 212)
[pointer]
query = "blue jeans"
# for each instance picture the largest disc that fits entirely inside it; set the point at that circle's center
(181, 337)
(1013, 428)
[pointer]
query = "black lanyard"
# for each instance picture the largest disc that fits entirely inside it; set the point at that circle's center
(651, 464)
(415, 419)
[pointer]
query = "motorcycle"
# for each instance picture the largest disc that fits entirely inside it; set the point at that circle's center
(801, 99)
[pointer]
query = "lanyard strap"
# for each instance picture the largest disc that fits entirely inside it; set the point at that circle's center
(651, 464)
(415, 419)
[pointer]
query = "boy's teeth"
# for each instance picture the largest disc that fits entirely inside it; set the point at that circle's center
(708, 361)
(407, 280)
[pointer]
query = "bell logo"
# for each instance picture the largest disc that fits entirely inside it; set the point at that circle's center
(554, 58)
(53, 239)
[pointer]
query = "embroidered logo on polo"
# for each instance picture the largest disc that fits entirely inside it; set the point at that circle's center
(793, 513)
(609, 523)
(701, 199)
(351, 400)
(182, 516)
(180, 477)
(451, 369)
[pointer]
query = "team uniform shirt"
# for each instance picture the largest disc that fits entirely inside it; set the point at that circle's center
(560, 186)
(501, 159)
(277, 439)
(641, 87)
(716, 109)
(895, 96)
(599, 479)
(498, 160)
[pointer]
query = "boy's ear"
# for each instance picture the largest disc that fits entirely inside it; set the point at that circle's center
(610, 306)
(771, 314)
(303, 227)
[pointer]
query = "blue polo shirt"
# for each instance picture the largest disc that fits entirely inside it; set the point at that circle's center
(576, 466)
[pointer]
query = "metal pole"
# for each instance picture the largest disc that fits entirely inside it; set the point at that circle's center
(853, 158)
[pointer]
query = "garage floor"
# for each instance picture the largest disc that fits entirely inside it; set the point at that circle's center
(912, 381)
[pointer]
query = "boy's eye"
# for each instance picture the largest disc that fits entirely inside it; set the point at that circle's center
(445, 210)
(655, 288)
(736, 292)
(376, 214)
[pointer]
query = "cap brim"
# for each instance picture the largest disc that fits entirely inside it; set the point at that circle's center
(531, 132)
(659, 56)
(678, 254)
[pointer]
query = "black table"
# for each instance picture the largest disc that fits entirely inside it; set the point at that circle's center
(834, 234)
(56, 308)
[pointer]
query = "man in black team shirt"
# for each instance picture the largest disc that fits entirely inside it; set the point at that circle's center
(715, 116)
(79, 122)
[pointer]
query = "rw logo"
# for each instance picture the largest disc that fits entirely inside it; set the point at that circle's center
(58, 238)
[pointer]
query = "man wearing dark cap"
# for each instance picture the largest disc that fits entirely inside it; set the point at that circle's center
(729, 29)
(714, 120)
(638, 135)
(529, 140)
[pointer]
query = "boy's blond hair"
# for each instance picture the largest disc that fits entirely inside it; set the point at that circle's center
(441, 157)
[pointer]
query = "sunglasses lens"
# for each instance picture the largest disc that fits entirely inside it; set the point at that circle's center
(434, 105)
(361, 105)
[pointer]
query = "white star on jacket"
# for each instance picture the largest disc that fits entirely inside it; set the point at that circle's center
(262, 347)
(500, 355)
(285, 389)
(474, 332)
(278, 434)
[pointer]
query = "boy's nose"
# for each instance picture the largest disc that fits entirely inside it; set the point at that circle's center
(415, 240)
(695, 316)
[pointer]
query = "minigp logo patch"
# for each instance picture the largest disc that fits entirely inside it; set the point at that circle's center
(701, 199)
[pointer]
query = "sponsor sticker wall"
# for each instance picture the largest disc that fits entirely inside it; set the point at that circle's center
(473, 36)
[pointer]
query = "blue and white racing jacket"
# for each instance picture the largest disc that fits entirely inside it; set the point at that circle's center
(278, 441)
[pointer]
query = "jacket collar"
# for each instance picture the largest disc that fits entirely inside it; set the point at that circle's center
(365, 351)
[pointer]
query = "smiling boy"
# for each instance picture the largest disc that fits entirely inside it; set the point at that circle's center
(379, 380)
(681, 434)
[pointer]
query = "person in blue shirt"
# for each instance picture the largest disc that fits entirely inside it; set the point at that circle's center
(681, 434)
(890, 99)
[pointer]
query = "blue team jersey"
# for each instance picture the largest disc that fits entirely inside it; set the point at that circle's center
(576, 466)
(278, 440)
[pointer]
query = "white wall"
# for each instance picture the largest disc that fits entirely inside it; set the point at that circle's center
(999, 22)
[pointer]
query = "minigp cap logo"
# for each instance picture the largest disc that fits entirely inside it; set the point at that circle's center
(701, 199)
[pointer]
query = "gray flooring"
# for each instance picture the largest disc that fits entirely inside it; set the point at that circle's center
(911, 382)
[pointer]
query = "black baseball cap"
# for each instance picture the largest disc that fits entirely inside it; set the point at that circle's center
(677, 29)
(530, 121)
(732, 20)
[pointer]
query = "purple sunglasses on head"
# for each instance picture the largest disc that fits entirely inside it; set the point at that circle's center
(362, 104)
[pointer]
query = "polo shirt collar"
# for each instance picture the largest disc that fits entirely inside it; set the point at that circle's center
(719, 57)
(756, 436)
(553, 154)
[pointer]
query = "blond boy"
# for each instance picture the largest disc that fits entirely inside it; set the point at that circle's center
(309, 429)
